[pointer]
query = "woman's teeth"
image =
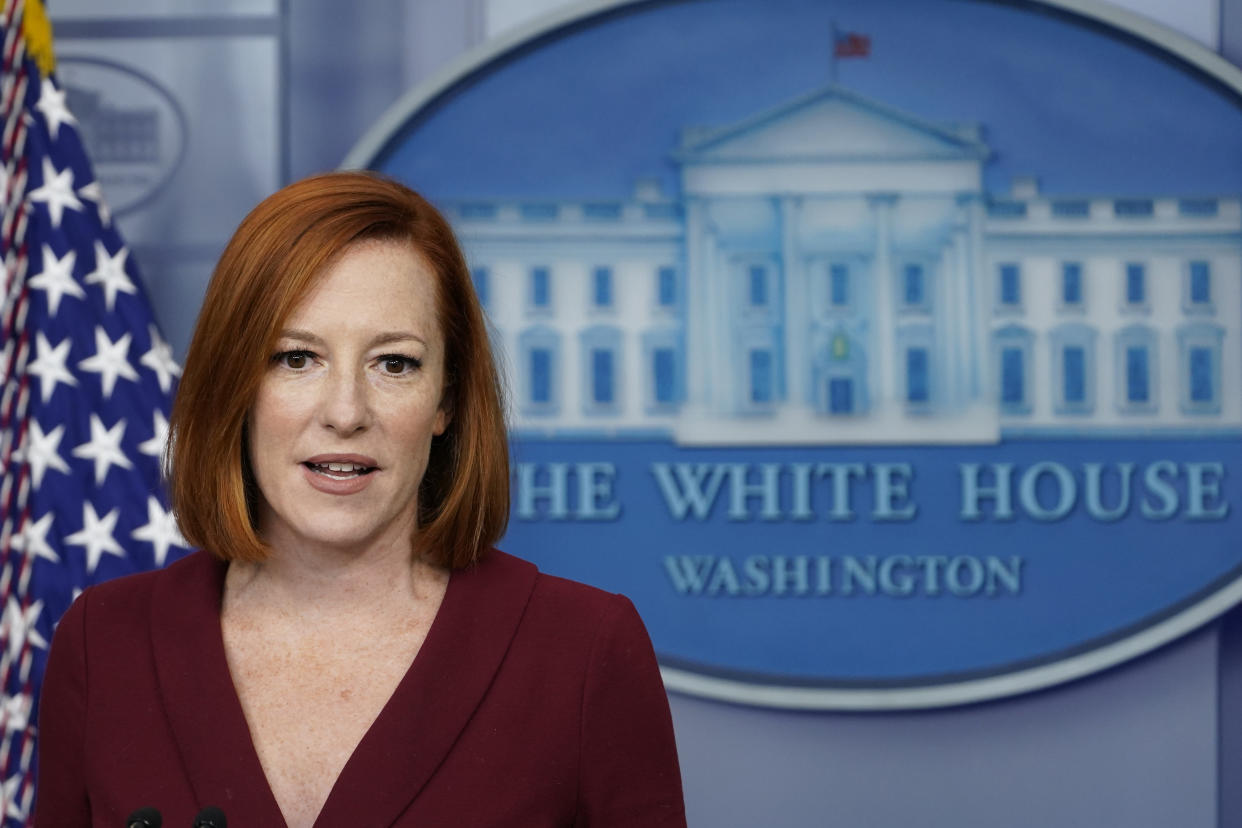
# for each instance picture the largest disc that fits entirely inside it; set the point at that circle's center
(339, 469)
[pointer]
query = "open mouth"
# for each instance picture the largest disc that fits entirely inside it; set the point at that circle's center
(339, 471)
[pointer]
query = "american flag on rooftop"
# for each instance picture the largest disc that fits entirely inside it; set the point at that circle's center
(850, 44)
(86, 382)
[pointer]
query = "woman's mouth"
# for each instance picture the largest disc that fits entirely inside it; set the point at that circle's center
(339, 471)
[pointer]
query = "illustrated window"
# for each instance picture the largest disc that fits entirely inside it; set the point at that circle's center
(1071, 285)
(664, 376)
(1136, 369)
(1199, 357)
(541, 375)
(662, 380)
(666, 287)
(1135, 285)
(839, 285)
(917, 381)
(1198, 291)
(538, 368)
(540, 288)
(761, 379)
(1012, 348)
(1073, 368)
(602, 392)
(841, 395)
(601, 287)
(757, 285)
(1013, 376)
(601, 370)
(913, 289)
(1074, 375)
(1009, 288)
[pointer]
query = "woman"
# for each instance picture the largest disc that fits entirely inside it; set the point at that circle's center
(349, 650)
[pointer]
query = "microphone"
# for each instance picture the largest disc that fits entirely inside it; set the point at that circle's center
(144, 818)
(210, 817)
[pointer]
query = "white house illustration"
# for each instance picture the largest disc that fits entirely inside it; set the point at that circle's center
(833, 272)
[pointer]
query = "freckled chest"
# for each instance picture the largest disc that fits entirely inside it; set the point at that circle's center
(311, 692)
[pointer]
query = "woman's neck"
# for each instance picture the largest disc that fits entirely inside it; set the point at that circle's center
(309, 581)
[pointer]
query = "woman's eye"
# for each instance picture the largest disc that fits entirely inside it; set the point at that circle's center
(295, 360)
(395, 364)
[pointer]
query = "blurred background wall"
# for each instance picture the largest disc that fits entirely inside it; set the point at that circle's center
(256, 93)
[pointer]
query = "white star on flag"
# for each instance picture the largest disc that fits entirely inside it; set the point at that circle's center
(15, 712)
(56, 192)
(160, 531)
(8, 798)
(56, 278)
(104, 448)
(93, 193)
(96, 536)
(33, 539)
(49, 365)
(110, 273)
(155, 446)
(18, 626)
(160, 360)
(42, 451)
(52, 105)
(111, 360)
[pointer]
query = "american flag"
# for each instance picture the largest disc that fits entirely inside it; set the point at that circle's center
(86, 385)
(850, 44)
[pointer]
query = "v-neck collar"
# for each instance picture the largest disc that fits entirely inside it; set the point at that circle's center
(414, 732)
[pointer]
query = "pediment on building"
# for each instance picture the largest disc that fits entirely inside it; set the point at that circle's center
(831, 124)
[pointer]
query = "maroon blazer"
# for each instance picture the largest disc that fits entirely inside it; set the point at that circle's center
(534, 701)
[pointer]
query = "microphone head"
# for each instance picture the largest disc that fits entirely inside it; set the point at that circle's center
(210, 817)
(144, 818)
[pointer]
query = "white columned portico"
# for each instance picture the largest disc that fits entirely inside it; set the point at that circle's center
(961, 298)
(698, 315)
(885, 311)
(832, 174)
(976, 299)
(946, 316)
(721, 348)
(797, 308)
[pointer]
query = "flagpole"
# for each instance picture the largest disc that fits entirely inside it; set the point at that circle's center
(832, 52)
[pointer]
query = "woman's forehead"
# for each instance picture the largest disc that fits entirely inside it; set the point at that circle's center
(385, 283)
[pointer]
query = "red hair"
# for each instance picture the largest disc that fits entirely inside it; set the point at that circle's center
(278, 252)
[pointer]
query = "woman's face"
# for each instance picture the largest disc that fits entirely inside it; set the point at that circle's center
(341, 429)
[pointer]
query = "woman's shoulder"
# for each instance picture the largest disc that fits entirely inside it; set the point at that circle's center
(573, 610)
(556, 592)
(131, 596)
(196, 566)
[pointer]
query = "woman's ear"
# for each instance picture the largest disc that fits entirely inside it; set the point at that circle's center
(444, 414)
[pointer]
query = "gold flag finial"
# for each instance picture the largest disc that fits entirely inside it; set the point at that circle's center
(37, 30)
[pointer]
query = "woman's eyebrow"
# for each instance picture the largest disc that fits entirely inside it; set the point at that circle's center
(383, 338)
(389, 337)
(301, 335)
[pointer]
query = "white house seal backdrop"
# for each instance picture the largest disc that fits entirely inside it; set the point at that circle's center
(886, 354)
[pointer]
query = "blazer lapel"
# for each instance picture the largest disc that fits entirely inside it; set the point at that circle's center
(419, 725)
(198, 694)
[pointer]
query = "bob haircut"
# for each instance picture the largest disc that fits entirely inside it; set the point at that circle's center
(272, 262)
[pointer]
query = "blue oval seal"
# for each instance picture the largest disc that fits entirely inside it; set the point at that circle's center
(887, 354)
(133, 127)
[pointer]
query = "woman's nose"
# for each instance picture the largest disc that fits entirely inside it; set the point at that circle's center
(345, 405)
